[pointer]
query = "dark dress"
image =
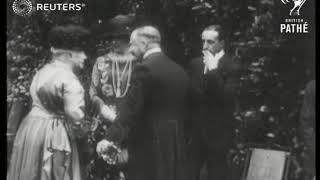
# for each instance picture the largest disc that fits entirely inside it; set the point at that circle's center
(103, 80)
(213, 100)
(151, 119)
(102, 92)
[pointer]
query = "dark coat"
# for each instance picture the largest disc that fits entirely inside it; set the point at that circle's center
(151, 120)
(214, 101)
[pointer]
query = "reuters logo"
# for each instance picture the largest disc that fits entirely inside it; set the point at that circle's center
(22, 7)
(26, 8)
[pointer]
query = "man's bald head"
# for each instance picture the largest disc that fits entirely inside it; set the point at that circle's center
(143, 39)
(149, 34)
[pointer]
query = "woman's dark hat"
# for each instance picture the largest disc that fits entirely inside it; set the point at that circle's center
(118, 27)
(115, 32)
(70, 37)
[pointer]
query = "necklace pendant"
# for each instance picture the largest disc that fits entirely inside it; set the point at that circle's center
(118, 92)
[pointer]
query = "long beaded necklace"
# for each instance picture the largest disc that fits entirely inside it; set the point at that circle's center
(118, 78)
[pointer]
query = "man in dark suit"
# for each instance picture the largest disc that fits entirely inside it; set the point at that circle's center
(214, 77)
(152, 115)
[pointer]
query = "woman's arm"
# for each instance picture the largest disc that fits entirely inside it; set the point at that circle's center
(93, 90)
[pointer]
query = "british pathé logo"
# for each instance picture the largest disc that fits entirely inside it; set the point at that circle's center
(294, 26)
(26, 8)
(297, 4)
(297, 24)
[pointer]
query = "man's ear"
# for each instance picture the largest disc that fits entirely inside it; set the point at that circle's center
(144, 44)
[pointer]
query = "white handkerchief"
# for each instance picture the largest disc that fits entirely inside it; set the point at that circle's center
(213, 63)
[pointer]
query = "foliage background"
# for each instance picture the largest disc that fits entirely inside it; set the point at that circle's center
(276, 67)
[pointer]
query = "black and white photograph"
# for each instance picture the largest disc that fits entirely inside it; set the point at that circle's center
(160, 90)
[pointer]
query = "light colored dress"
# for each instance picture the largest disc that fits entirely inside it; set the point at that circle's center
(58, 100)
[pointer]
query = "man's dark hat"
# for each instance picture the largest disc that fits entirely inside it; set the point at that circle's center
(71, 37)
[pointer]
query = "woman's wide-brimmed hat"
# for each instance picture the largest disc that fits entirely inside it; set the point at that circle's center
(69, 37)
(118, 27)
(115, 32)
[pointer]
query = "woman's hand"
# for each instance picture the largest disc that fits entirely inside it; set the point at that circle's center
(108, 113)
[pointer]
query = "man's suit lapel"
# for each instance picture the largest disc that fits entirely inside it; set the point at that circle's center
(201, 75)
(220, 64)
(201, 66)
(222, 61)
(203, 81)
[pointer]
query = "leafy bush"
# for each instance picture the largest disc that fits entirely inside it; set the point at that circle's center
(274, 70)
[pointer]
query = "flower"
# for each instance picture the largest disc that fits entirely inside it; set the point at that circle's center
(271, 119)
(249, 113)
(263, 108)
(271, 135)
(110, 155)
(95, 124)
(107, 90)
(102, 65)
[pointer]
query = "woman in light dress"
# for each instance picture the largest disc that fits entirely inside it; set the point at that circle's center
(44, 147)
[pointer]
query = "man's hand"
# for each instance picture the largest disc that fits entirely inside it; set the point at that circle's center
(123, 156)
(209, 61)
(108, 113)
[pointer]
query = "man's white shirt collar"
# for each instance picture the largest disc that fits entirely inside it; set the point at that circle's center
(152, 51)
(219, 54)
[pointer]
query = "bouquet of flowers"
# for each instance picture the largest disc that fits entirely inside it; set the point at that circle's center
(109, 164)
(111, 154)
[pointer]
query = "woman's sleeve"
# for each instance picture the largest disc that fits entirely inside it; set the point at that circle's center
(97, 101)
(74, 100)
